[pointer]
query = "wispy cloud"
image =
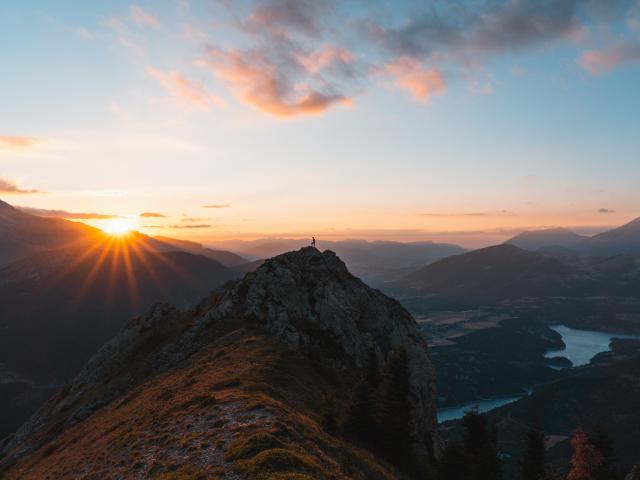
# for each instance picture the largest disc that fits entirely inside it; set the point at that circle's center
(177, 226)
(605, 210)
(500, 213)
(18, 142)
(410, 75)
(9, 187)
(140, 16)
(151, 215)
(219, 205)
(194, 219)
(41, 212)
(185, 91)
(610, 57)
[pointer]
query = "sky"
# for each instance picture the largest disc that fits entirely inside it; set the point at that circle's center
(462, 121)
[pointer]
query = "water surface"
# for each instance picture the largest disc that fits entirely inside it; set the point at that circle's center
(454, 413)
(583, 345)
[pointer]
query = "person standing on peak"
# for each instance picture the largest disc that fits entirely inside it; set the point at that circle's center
(313, 241)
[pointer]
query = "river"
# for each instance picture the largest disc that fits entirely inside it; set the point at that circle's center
(580, 347)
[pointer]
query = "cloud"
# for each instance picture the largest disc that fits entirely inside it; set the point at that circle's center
(499, 213)
(194, 219)
(600, 61)
(606, 210)
(143, 17)
(221, 205)
(18, 142)
(151, 215)
(269, 84)
(279, 17)
(9, 187)
(409, 74)
(64, 214)
(185, 90)
(177, 226)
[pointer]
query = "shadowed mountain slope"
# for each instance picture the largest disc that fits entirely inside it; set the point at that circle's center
(499, 272)
(231, 388)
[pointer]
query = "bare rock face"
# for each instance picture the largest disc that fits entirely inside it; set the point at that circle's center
(310, 301)
(634, 474)
(306, 299)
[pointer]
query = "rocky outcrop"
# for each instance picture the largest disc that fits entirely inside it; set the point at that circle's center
(310, 301)
(307, 300)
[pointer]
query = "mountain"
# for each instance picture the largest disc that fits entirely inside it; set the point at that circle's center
(234, 387)
(65, 303)
(22, 234)
(552, 237)
(228, 259)
(495, 273)
(621, 240)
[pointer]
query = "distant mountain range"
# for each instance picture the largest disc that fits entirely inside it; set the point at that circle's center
(376, 262)
(606, 264)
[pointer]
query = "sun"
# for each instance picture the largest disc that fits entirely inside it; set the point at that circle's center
(118, 226)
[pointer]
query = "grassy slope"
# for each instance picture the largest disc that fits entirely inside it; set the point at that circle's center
(243, 407)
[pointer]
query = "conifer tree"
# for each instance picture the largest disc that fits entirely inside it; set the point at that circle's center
(358, 423)
(586, 459)
(601, 440)
(480, 443)
(532, 462)
(393, 410)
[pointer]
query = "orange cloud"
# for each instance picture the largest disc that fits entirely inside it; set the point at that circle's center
(8, 141)
(410, 75)
(184, 89)
(603, 60)
(9, 187)
(152, 215)
(262, 84)
(141, 16)
(225, 205)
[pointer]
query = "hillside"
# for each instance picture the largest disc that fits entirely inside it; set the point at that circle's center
(64, 304)
(495, 273)
(621, 240)
(232, 387)
(22, 234)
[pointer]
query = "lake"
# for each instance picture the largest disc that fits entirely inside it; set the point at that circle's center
(580, 347)
(454, 413)
(583, 345)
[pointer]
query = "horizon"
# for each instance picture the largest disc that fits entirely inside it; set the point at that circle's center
(213, 122)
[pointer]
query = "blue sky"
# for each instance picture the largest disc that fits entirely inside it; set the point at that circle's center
(404, 120)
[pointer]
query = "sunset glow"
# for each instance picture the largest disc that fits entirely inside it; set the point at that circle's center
(278, 121)
(118, 227)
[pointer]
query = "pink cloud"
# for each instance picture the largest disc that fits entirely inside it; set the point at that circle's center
(261, 83)
(184, 89)
(17, 142)
(605, 59)
(141, 16)
(409, 74)
(327, 57)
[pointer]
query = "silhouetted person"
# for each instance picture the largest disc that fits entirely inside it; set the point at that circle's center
(313, 241)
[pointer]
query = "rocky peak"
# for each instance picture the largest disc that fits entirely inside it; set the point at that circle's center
(306, 299)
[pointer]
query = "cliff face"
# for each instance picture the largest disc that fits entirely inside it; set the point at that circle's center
(254, 358)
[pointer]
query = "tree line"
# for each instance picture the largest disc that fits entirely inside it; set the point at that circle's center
(378, 417)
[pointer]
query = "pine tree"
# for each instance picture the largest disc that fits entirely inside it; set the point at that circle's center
(455, 463)
(586, 458)
(532, 462)
(358, 423)
(393, 410)
(480, 442)
(601, 440)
